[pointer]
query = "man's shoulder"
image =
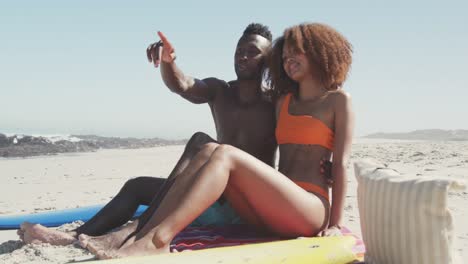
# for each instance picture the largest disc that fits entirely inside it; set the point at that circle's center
(215, 82)
(216, 86)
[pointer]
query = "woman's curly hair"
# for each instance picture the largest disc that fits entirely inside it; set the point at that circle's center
(327, 50)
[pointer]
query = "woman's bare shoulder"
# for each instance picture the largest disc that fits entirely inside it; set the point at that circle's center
(339, 98)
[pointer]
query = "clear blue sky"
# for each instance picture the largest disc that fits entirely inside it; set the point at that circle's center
(80, 66)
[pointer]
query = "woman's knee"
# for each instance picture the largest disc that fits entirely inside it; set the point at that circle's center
(210, 147)
(207, 150)
(224, 153)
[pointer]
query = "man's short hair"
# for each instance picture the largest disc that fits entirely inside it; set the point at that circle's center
(258, 29)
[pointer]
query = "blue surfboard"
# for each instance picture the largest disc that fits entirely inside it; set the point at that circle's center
(57, 217)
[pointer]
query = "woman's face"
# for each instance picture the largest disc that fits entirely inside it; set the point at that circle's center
(295, 64)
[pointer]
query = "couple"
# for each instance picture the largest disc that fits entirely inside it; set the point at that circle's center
(307, 66)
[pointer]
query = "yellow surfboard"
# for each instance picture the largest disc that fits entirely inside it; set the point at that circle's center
(322, 250)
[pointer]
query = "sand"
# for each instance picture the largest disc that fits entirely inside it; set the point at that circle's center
(72, 180)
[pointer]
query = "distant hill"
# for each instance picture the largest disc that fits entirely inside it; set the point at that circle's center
(426, 134)
(25, 146)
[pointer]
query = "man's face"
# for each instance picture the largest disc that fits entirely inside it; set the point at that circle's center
(249, 56)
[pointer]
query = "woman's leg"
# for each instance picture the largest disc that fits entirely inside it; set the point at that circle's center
(277, 202)
(272, 199)
(199, 160)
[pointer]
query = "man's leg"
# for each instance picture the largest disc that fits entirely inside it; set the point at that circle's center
(120, 209)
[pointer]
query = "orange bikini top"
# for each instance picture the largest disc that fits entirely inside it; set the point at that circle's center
(302, 129)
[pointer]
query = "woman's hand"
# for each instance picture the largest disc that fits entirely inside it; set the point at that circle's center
(331, 231)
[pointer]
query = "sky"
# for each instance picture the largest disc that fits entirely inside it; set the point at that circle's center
(80, 67)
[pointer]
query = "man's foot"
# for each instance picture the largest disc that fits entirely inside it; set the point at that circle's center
(20, 233)
(111, 241)
(36, 233)
(142, 247)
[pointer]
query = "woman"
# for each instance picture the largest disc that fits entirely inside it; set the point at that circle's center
(309, 64)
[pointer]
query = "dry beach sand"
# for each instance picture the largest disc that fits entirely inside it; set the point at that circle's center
(45, 183)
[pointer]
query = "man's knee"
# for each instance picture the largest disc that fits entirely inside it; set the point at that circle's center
(133, 184)
(198, 140)
(142, 182)
(142, 189)
(201, 137)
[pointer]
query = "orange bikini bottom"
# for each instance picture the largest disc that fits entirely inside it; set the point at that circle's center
(313, 188)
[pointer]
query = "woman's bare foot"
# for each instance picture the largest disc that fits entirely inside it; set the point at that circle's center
(111, 241)
(36, 233)
(142, 247)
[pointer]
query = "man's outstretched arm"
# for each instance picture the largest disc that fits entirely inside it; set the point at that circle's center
(162, 53)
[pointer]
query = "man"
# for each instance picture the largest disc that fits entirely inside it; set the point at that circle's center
(243, 117)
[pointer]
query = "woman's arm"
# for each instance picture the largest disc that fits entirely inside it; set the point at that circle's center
(344, 123)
